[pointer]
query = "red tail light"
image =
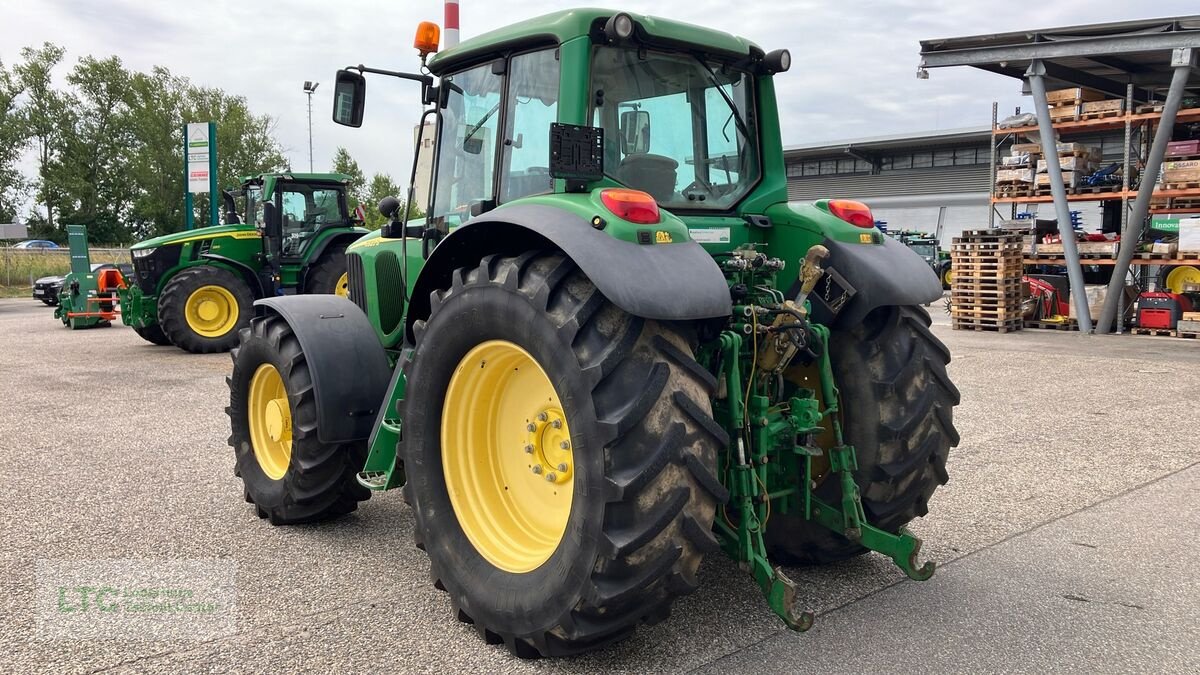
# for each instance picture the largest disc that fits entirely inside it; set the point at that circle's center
(855, 213)
(632, 205)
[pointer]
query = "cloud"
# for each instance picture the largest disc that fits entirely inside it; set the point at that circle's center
(853, 74)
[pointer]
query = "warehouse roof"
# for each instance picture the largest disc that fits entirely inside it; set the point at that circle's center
(940, 137)
(1102, 56)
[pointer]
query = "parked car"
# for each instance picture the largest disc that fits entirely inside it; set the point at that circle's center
(36, 243)
(47, 289)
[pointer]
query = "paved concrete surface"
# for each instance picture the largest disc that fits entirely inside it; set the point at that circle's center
(113, 448)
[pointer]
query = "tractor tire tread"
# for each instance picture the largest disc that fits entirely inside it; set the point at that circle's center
(891, 364)
(320, 482)
(660, 444)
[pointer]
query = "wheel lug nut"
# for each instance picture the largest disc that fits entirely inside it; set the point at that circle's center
(551, 477)
(565, 445)
(529, 449)
(557, 424)
(542, 417)
(531, 427)
(563, 467)
(537, 468)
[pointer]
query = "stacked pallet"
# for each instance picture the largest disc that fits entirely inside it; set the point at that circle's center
(1079, 103)
(1076, 161)
(986, 292)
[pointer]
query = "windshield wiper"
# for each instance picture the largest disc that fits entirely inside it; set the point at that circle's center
(482, 121)
(737, 117)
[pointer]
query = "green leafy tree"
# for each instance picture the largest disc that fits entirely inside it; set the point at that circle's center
(156, 102)
(381, 186)
(92, 171)
(44, 115)
(12, 141)
(356, 191)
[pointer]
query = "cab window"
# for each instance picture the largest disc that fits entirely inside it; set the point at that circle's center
(466, 156)
(532, 106)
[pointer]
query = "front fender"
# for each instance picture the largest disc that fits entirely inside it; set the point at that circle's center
(673, 282)
(348, 366)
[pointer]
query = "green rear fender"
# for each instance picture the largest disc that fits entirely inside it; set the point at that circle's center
(869, 269)
(654, 271)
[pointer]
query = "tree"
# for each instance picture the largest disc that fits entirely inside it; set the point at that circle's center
(92, 170)
(356, 190)
(381, 186)
(12, 141)
(44, 116)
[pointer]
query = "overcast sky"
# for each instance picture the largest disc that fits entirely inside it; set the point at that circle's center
(853, 73)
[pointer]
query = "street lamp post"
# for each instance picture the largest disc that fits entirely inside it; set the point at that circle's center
(309, 88)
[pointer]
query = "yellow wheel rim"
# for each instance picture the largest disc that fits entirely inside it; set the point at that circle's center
(949, 276)
(270, 421)
(211, 311)
(342, 287)
(507, 456)
(1184, 274)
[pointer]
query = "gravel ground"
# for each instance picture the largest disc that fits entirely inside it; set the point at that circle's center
(1076, 476)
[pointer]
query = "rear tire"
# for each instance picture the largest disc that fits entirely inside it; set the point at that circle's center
(329, 274)
(188, 325)
(153, 334)
(314, 481)
(897, 411)
(644, 488)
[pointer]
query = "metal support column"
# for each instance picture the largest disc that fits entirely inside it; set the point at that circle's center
(1036, 75)
(1182, 60)
(992, 171)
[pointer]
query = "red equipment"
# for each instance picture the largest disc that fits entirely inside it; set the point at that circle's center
(1161, 310)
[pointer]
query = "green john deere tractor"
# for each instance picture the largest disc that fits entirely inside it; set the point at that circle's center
(611, 348)
(195, 289)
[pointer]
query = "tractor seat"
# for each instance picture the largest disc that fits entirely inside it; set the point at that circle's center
(654, 174)
(109, 279)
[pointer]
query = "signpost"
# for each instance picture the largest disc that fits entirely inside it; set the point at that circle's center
(200, 168)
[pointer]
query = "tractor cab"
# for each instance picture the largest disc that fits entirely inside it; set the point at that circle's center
(305, 205)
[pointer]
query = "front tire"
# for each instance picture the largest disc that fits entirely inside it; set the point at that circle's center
(153, 334)
(629, 536)
(288, 473)
(897, 411)
(330, 274)
(202, 309)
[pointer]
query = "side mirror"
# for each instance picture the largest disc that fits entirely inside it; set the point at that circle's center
(271, 226)
(349, 97)
(635, 132)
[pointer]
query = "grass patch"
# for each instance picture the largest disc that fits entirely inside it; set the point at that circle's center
(20, 267)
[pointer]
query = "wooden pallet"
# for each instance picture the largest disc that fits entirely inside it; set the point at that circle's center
(1187, 334)
(1100, 114)
(1147, 255)
(1163, 332)
(1186, 185)
(1069, 324)
(990, 248)
(1017, 189)
(986, 294)
(1059, 256)
(972, 283)
(1095, 189)
(984, 235)
(999, 326)
(1149, 108)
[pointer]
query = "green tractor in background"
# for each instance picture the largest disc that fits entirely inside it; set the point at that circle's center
(611, 348)
(929, 247)
(195, 289)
